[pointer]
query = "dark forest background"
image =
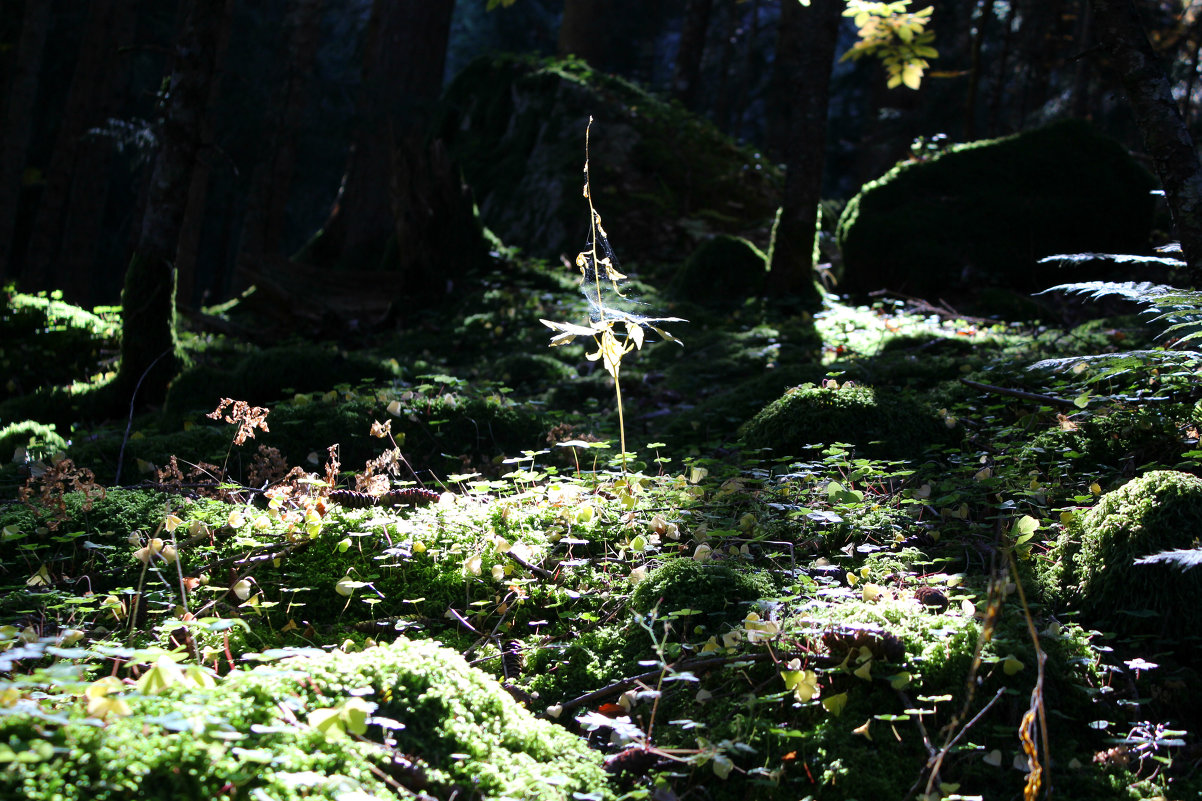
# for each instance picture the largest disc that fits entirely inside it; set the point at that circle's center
(296, 85)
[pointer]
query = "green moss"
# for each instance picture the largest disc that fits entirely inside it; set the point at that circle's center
(1091, 565)
(893, 426)
(38, 439)
(1116, 442)
(528, 372)
(47, 342)
(661, 177)
(720, 273)
(715, 591)
(448, 727)
(949, 222)
(264, 377)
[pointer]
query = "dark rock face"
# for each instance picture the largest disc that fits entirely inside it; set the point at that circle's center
(982, 214)
(661, 178)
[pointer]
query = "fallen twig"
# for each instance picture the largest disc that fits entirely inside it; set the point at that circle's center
(1018, 393)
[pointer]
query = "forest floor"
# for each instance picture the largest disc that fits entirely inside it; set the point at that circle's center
(858, 594)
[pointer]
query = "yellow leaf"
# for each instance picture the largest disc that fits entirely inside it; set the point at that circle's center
(912, 75)
(163, 675)
(803, 683)
(327, 720)
(863, 730)
(835, 703)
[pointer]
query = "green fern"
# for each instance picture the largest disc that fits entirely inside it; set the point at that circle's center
(1178, 313)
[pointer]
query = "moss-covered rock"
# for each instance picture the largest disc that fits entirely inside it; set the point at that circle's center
(265, 376)
(37, 439)
(983, 213)
(47, 342)
(660, 175)
(1117, 442)
(428, 723)
(713, 591)
(720, 273)
(1091, 566)
(890, 427)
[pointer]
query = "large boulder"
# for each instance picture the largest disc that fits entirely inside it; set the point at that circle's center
(1092, 564)
(982, 214)
(661, 178)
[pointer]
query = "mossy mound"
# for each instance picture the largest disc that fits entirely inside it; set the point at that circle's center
(525, 371)
(893, 427)
(436, 726)
(263, 377)
(661, 177)
(983, 213)
(714, 592)
(38, 439)
(47, 342)
(1091, 565)
(1118, 442)
(720, 273)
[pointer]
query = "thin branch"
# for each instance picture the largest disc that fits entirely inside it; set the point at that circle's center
(129, 424)
(1018, 393)
(693, 664)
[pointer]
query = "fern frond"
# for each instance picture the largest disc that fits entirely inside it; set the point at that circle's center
(1078, 259)
(1119, 363)
(1140, 292)
(1184, 558)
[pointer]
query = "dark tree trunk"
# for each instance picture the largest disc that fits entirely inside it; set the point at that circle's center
(391, 213)
(18, 121)
(404, 57)
(62, 245)
(1166, 137)
(582, 31)
(806, 52)
(271, 181)
(983, 18)
(148, 343)
(687, 72)
(187, 252)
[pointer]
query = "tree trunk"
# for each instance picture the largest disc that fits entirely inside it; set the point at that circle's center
(806, 53)
(394, 209)
(983, 17)
(18, 122)
(62, 245)
(582, 31)
(1166, 137)
(271, 181)
(687, 72)
(187, 251)
(148, 344)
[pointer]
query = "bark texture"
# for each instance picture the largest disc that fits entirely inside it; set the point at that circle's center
(687, 71)
(582, 31)
(1166, 136)
(18, 120)
(805, 55)
(271, 181)
(148, 343)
